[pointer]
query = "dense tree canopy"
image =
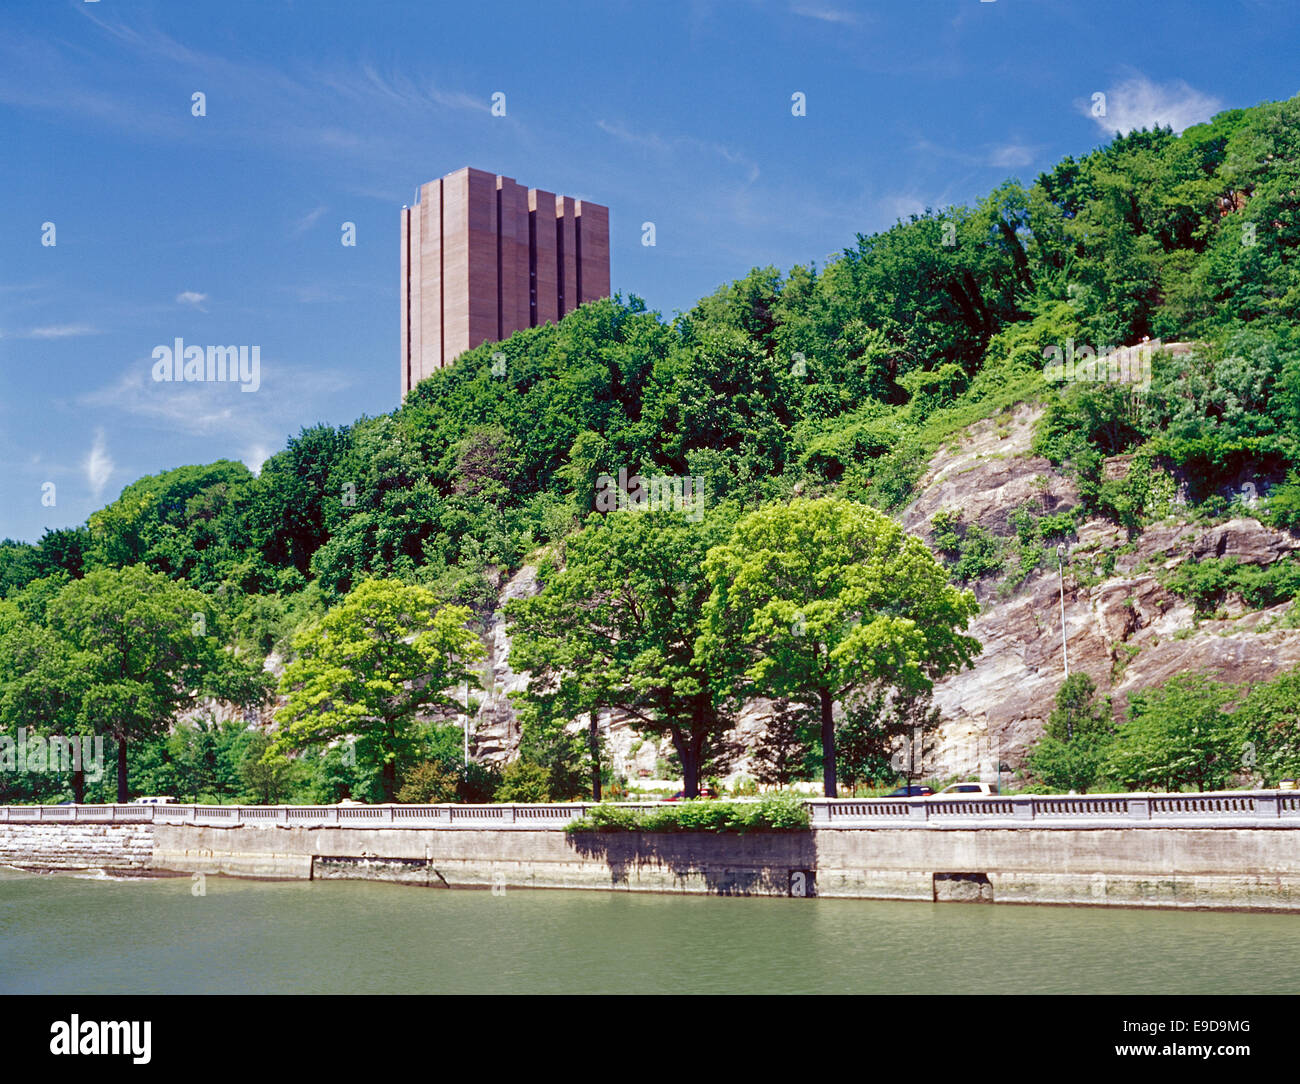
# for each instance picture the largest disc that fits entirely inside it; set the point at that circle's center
(818, 377)
(118, 654)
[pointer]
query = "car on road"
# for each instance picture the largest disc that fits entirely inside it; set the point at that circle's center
(910, 792)
(154, 799)
(968, 790)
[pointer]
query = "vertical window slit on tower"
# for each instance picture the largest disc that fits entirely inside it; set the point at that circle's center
(559, 265)
(532, 268)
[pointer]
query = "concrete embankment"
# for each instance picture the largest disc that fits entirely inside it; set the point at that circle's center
(1226, 850)
(1157, 867)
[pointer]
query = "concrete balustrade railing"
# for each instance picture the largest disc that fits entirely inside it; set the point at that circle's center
(1228, 809)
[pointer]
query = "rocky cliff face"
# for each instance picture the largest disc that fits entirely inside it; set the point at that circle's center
(1122, 627)
(496, 729)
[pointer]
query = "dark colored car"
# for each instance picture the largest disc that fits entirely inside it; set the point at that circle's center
(909, 792)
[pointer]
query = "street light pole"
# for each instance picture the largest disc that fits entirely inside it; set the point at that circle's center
(1060, 568)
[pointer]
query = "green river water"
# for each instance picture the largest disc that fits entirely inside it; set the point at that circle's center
(62, 933)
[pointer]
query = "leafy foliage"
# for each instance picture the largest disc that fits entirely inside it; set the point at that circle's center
(1071, 755)
(1207, 583)
(119, 653)
(364, 670)
(616, 626)
(1179, 735)
(819, 598)
(778, 813)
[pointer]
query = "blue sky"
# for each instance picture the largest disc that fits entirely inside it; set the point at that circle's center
(226, 228)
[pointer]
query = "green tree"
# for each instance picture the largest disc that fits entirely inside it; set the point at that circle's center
(185, 522)
(781, 754)
(525, 781)
(545, 739)
(288, 505)
(1270, 716)
(825, 597)
(386, 652)
(1072, 754)
(268, 780)
(617, 627)
(1177, 735)
(875, 722)
(119, 653)
(429, 783)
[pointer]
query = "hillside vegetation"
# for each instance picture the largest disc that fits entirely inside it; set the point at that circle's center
(842, 380)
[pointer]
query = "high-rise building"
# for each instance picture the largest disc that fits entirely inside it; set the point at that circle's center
(483, 257)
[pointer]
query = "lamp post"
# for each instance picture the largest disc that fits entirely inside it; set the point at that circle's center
(1060, 568)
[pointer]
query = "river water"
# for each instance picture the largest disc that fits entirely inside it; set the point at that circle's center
(62, 933)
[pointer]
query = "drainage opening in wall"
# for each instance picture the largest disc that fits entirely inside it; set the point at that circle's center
(962, 888)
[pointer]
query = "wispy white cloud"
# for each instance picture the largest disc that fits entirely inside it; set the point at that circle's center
(308, 220)
(903, 205)
(370, 114)
(1140, 103)
(825, 13)
(218, 409)
(59, 331)
(254, 456)
(403, 92)
(1010, 156)
(192, 297)
(98, 465)
(654, 143)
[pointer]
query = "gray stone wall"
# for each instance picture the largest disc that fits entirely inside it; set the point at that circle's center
(117, 847)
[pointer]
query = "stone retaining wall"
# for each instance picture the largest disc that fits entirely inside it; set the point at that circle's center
(116, 847)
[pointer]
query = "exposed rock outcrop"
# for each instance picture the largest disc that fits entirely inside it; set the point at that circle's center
(496, 729)
(1123, 626)
(987, 475)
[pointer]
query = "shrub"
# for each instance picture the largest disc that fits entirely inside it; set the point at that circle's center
(429, 783)
(1179, 734)
(1076, 741)
(1283, 505)
(1206, 583)
(779, 813)
(478, 783)
(434, 781)
(525, 781)
(969, 551)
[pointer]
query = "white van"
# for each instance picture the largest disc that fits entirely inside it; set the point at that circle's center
(162, 799)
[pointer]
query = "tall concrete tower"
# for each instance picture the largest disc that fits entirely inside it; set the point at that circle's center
(483, 257)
